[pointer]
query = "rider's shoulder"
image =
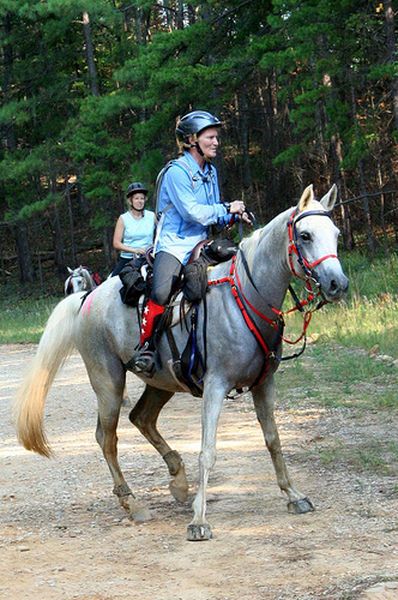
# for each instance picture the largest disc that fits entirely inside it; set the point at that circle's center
(179, 168)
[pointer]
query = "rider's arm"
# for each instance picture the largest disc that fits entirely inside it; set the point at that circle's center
(179, 189)
(118, 239)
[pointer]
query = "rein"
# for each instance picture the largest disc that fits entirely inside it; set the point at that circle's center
(278, 323)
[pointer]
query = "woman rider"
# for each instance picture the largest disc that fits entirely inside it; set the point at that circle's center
(189, 200)
(133, 233)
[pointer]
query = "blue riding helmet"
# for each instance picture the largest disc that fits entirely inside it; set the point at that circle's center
(136, 187)
(195, 122)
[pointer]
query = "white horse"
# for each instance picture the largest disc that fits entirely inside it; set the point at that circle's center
(243, 349)
(79, 280)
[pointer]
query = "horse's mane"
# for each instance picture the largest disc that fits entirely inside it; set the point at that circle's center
(273, 229)
(250, 244)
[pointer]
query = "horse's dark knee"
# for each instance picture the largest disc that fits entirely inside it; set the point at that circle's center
(135, 415)
(174, 461)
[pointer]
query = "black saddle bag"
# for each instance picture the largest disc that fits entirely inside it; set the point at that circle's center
(134, 284)
(195, 273)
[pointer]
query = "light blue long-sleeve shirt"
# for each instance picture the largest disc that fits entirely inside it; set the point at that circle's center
(191, 198)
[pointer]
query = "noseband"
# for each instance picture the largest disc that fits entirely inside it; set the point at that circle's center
(294, 246)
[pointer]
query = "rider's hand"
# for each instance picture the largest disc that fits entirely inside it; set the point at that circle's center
(237, 207)
(245, 217)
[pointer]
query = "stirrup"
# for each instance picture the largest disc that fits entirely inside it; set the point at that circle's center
(143, 361)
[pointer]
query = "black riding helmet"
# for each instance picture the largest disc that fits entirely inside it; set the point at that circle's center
(195, 122)
(136, 187)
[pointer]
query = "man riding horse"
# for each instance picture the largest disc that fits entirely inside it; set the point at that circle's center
(189, 202)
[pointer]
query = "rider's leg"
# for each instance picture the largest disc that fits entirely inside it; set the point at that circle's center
(166, 274)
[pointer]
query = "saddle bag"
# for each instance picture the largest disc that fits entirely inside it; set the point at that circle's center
(195, 273)
(195, 280)
(134, 283)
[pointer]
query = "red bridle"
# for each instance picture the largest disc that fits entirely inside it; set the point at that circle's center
(294, 247)
(278, 324)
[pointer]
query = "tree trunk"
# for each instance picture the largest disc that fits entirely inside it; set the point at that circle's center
(391, 55)
(191, 14)
(243, 127)
(26, 270)
(109, 254)
(371, 242)
(339, 179)
(58, 238)
(8, 60)
(71, 225)
(92, 69)
(59, 252)
(180, 15)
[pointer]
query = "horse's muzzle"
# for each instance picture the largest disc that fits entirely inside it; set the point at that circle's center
(335, 286)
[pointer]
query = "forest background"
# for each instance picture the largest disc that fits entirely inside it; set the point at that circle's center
(91, 89)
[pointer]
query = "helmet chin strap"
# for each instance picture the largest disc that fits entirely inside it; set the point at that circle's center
(139, 210)
(198, 148)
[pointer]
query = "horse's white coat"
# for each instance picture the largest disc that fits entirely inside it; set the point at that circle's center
(107, 333)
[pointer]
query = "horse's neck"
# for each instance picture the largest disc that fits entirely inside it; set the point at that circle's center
(266, 255)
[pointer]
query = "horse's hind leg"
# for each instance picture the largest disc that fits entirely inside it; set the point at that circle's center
(108, 380)
(144, 416)
(263, 397)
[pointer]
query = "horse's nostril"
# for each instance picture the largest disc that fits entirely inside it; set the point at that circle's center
(333, 286)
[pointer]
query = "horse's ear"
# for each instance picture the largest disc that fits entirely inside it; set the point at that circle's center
(329, 199)
(306, 198)
(70, 270)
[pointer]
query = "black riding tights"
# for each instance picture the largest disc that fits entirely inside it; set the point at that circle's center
(167, 271)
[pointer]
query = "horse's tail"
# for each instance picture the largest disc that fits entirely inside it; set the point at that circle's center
(55, 345)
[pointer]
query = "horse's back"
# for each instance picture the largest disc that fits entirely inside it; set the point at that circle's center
(106, 325)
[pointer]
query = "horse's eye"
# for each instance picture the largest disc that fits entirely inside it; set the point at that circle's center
(305, 236)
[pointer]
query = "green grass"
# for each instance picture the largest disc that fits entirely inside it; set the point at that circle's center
(372, 456)
(334, 376)
(22, 319)
(367, 318)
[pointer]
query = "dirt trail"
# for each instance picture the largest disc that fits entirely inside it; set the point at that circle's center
(63, 535)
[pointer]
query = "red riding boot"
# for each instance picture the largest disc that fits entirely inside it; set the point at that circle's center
(144, 359)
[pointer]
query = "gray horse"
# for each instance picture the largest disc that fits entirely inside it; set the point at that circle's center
(299, 242)
(79, 280)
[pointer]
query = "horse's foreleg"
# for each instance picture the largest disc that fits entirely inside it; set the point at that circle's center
(144, 416)
(199, 529)
(263, 397)
(108, 382)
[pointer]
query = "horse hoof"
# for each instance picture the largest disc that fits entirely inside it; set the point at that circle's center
(180, 494)
(198, 533)
(137, 512)
(178, 486)
(141, 515)
(299, 507)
